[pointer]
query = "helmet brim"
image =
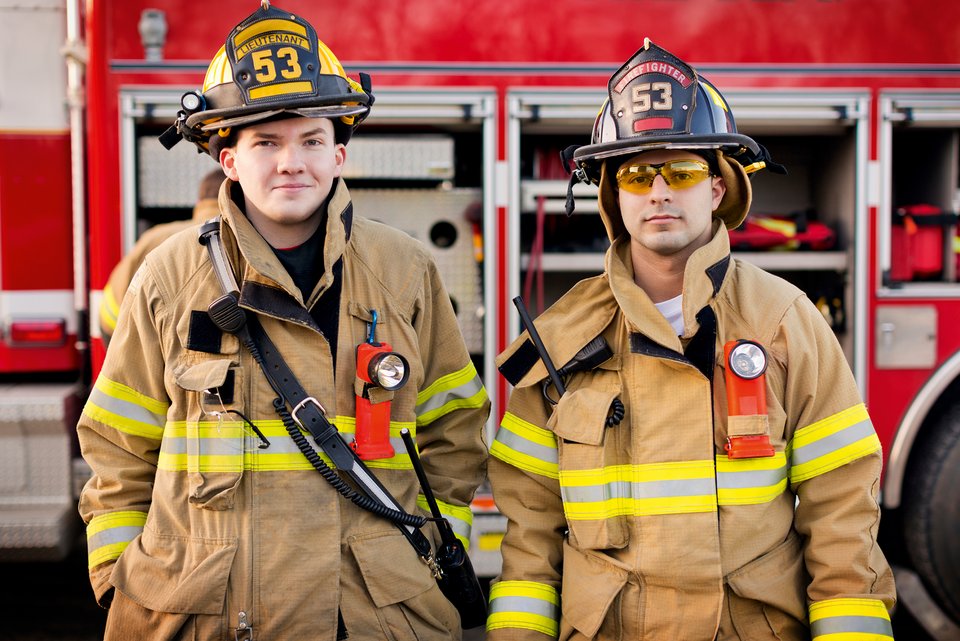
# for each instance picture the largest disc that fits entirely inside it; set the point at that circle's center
(731, 144)
(325, 111)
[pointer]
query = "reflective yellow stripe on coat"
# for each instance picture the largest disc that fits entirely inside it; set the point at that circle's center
(750, 481)
(126, 410)
(458, 390)
(232, 446)
(664, 488)
(850, 620)
(109, 534)
(526, 446)
(638, 490)
(526, 605)
(109, 308)
(831, 443)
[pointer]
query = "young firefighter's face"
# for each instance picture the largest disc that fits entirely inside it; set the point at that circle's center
(667, 220)
(286, 169)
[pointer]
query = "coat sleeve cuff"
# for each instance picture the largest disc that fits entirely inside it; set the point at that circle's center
(850, 618)
(523, 609)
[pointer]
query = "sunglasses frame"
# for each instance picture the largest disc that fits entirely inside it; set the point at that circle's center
(658, 171)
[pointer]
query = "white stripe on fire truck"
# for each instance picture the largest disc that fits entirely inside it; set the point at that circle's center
(41, 303)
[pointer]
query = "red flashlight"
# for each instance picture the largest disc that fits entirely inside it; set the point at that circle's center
(746, 396)
(378, 367)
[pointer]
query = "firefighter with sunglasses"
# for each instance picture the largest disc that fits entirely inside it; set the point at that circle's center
(706, 468)
(205, 516)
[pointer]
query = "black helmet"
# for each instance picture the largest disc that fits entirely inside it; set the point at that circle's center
(657, 101)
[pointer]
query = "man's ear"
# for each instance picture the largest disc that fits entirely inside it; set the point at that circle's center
(719, 188)
(228, 161)
(341, 152)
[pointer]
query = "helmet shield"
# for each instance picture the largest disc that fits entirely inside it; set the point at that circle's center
(653, 92)
(274, 58)
(273, 64)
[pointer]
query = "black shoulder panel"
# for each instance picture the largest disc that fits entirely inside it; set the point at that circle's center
(204, 335)
(522, 361)
(717, 272)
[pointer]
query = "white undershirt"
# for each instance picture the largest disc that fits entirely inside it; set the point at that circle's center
(672, 310)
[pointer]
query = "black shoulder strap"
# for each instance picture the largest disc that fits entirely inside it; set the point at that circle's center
(304, 411)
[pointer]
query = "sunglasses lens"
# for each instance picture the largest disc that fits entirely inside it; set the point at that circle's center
(637, 179)
(681, 174)
(678, 174)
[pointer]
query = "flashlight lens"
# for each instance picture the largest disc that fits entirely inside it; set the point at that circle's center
(390, 371)
(748, 360)
(191, 101)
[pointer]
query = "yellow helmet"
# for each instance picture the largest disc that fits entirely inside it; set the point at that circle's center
(272, 63)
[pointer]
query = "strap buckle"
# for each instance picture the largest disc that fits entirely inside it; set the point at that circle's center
(301, 405)
(431, 563)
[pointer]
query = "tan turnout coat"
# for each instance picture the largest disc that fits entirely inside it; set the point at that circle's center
(646, 530)
(201, 533)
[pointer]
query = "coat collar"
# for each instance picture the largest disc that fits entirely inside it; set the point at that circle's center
(703, 279)
(255, 258)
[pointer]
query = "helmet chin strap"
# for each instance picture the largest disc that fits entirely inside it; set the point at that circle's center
(577, 175)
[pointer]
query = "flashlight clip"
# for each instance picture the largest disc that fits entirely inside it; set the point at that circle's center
(372, 325)
(749, 446)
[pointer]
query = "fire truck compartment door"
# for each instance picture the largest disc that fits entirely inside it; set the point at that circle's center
(906, 337)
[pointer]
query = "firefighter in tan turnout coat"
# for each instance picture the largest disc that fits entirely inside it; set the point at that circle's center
(650, 501)
(204, 520)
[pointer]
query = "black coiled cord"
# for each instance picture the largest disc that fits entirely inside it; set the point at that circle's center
(617, 412)
(360, 500)
(334, 479)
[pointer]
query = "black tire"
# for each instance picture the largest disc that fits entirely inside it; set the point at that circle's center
(931, 525)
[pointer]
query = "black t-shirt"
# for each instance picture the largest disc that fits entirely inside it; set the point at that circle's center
(304, 262)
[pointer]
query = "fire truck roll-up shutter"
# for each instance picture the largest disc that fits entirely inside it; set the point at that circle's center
(919, 142)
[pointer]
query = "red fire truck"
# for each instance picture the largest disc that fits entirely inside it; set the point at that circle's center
(860, 100)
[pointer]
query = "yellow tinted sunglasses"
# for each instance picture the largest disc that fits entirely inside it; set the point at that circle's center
(678, 174)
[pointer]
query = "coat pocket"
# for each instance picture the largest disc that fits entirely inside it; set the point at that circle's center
(176, 574)
(587, 454)
(408, 603)
(773, 585)
(213, 436)
(590, 585)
